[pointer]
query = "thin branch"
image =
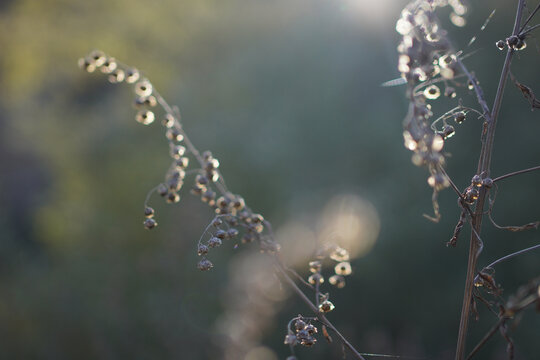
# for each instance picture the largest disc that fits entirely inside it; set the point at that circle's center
(505, 176)
(486, 337)
(529, 18)
(509, 256)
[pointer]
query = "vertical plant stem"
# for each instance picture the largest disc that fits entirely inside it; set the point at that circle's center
(484, 165)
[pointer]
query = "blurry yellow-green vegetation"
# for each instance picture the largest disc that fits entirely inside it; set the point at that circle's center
(286, 94)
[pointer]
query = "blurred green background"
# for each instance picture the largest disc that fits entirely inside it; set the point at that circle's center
(287, 95)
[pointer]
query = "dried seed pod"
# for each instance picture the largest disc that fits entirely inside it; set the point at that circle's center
(202, 249)
(450, 92)
(117, 76)
(97, 57)
(149, 212)
(150, 223)
(214, 242)
(316, 278)
(299, 325)
(476, 180)
(217, 222)
(173, 197)
(448, 131)
(339, 254)
(232, 233)
(109, 66)
(459, 117)
(168, 121)
(500, 44)
(145, 101)
(198, 190)
(162, 190)
(311, 329)
(315, 266)
(143, 88)
(182, 162)
(201, 180)
(177, 151)
(87, 64)
(487, 182)
(205, 264)
(174, 134)
(132, 75)
(145, 117)
(308, 341)
(337, 280)
(326, 306)
(239, 203)
(208, 196)
(221, 234)
(343, 268)
(432, 92)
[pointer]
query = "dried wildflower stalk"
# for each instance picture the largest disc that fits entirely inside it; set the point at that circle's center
(427, 59)
(233, 216)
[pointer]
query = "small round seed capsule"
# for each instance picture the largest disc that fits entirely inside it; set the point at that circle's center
(168, 121)
(470, 85)
(520, 45)
(150, 223)
(432, 92)
(315, 266)
(308, 341)
(117, 76)
(311, 329)
(316, 279)
(257, 218)
(339, 254)
(145, 101)
(214, 242)
(459, 117)
(205, 264)
(202, 249)
(232, 233)
(145, 117)
(87, 64)
(337, 280)
(97, 57)
(143, 88)
(448, 131)
(177, 151)
(207, 155)
(209, 196)
(476, 180)
(183, 162)
(326, 306)
(174, 134)
(217, 222)
(299, 324)
(450, 92)
(290, 339)
(221, 234)
(198, 190)
(109, 66)
(201, 180)
(500, 44)
(173, 197)
(343, 268)
(239, 203)
(132, 75)
(149, 212)
(512, 41)
(487, 182)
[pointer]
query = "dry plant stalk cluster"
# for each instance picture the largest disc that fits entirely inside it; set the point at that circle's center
(427, 62)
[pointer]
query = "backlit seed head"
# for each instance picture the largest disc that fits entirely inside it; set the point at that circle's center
(149, 212)
(432, 92)
(175, 184)
(239, 203)
(217, 222)
(117, 76)
(97, 57)
(145, 117)
(221, 234)
(109, 66)
(149, 223)
(177, 151)
(201, 180)
(132, 75)
(202, 249)
(476, 180)
(257, 218)
(173, 197)
(87, 64)
(470, 85)
(214, 242)
(211, 164)
(520, 45)
(149, 101)
(459, 117)
(311, 329)
(512, 41)
(232, 233)
(500, 44)
(316, 279)
(182, 163)
(337, 280)
(471, 195)
(299, 325)
(326, 306)
(168, 121)
(178, 174)
(339, 254)
(213, 175)
(222, 202)
(448, 131)
(143, 88)
(205, 264)
(174, 135)
(315, 266)
(343, 268)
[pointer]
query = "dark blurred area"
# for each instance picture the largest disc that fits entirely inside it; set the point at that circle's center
(288, 96)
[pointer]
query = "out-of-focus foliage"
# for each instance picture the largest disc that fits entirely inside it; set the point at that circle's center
(287, 94)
